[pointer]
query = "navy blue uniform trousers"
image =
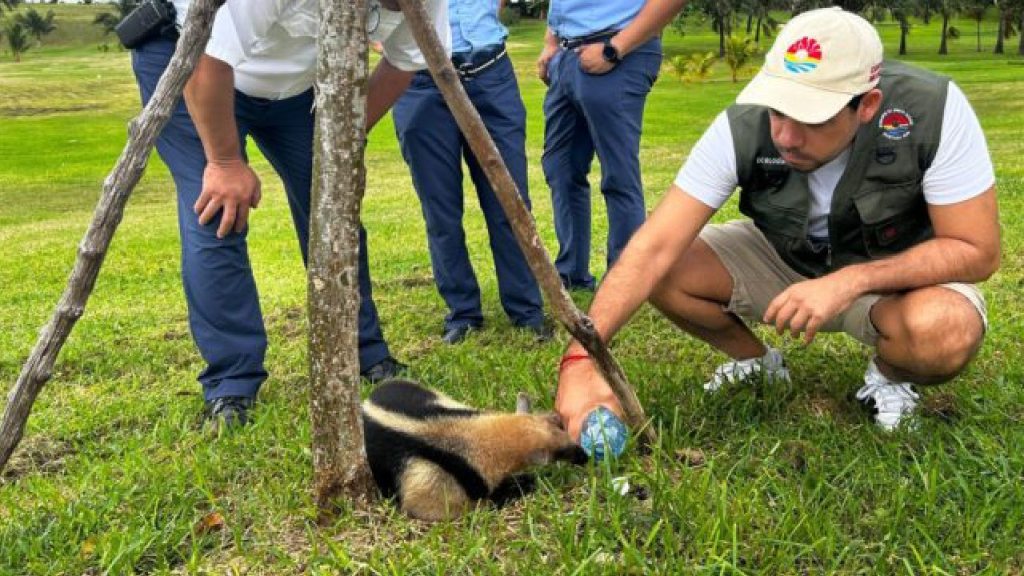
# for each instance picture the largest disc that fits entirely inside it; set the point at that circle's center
(223, 305)
(584, 113)
(434, 148)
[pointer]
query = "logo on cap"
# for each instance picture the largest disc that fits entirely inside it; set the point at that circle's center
(895, 124)
(804, 55)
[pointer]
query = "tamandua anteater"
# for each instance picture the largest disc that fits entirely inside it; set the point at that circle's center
(439, 457)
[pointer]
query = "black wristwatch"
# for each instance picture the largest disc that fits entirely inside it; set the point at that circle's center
(610, 52)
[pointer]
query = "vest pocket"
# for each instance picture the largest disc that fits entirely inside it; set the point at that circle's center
(893, 219)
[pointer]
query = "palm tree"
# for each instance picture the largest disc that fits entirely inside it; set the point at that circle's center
(946, 9)
(17, 40)
(976, 10)
(1011, 18)
(36, 24)
(110, 20)
(738, 52)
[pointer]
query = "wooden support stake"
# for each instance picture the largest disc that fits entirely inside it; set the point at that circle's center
(480, 141)
(118, 186)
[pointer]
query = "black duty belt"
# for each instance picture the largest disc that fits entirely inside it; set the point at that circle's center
(577, 41)
(471, 64)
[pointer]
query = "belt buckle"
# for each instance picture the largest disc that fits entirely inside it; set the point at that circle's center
(465, 70)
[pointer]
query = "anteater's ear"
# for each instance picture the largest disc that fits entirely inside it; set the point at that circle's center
(554, 420)
(522, 403)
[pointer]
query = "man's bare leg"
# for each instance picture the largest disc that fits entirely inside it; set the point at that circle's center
(693, 295)
(927, 336)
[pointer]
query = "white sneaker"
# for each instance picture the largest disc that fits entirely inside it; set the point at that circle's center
(771, 368)
(891, 401)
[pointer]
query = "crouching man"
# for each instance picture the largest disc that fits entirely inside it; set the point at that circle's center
(872, 210)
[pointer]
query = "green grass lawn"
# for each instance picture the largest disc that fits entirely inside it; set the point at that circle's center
(115, 476)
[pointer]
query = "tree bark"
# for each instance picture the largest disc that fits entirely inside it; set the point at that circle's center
(339, 454)
(904, 29)
(581, 327)
(118, 186)
(1000, 33)
(945, 35)
(1020, 34)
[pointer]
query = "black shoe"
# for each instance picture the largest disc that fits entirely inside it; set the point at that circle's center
(580, 286)
(543, 331)
(384, 370)
(457, 334)
(228, 412)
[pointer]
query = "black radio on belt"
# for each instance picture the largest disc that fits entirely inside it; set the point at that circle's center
(152, 18)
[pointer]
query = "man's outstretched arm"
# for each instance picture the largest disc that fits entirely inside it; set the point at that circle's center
(662, 239)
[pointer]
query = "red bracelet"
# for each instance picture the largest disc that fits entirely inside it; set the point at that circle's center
(570, 358)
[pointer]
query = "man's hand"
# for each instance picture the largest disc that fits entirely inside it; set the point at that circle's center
(549, 52)
(581, 389)
(592, 59)
(806, 306)
(233, 187)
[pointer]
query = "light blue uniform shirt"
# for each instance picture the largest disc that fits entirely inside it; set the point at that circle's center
(575, 18)
(475, 24)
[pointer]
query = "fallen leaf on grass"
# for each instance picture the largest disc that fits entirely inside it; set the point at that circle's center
(212, 522)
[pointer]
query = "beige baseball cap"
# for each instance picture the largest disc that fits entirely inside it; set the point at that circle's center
(819, 61)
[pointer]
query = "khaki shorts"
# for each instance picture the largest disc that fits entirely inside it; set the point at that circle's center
(759, 275)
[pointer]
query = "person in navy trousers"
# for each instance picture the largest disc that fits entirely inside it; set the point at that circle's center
(255, 81)
(434, 148)
(600, 60)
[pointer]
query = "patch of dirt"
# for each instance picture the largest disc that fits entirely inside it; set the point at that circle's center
(39, 455)
(941, 405)
(410, 281)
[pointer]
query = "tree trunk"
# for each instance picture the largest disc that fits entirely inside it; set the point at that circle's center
(480, 142)
(757, 33)
(978, 33)
(750, 22)
(943, 49)
(1020, 35)
(339, 454)
(118, 186)
(904, 28)
(1000, 33)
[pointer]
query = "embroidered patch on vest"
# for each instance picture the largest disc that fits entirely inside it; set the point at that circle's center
(895, 124)
(804, 55)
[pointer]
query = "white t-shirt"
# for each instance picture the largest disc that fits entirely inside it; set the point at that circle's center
(962, 168)
(271, 44)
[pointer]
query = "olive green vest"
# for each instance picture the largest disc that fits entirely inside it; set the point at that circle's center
(878, 207)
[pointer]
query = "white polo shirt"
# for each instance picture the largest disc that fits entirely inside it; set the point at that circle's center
(271, 44)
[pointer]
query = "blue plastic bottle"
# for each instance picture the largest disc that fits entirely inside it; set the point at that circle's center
(603, 434)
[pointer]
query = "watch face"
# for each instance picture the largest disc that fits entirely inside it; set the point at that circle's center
(610, 53)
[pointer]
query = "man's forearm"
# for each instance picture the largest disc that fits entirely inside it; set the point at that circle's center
(932, 262)
(652, 251)
(653, 17)
(387, 84)
(210, 98)
(966, 248)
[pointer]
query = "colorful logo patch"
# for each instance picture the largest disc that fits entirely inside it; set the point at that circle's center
(895, 124)
(804, 55)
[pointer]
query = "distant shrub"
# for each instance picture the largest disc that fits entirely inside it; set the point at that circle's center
(510, 16)
(693, 68)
